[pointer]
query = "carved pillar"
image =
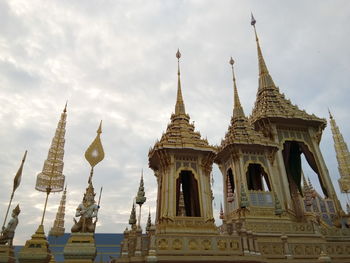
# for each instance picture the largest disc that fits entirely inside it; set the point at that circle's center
(256, 244)
(138, 248)
(286, 249)
(152, 255)
(243, 233)
(125, 246)
(251, 242)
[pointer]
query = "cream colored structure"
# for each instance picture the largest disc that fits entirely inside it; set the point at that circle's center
(271, 213)
(58, 226)
(343, 157)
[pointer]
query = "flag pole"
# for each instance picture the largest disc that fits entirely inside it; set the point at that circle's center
(8, 208)
(17, 181)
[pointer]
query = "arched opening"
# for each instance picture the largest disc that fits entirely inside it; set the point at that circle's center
(257, 178)
(187, 195)
(292, 156)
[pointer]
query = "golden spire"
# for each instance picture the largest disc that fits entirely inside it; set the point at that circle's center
(180, 106)
(51, 176)
(58, 225)
(343, 156)
(132, 219)
(262, 65)
(237, 107)
(51, 179)
(270, 103)
(149, 221)
(140, 197)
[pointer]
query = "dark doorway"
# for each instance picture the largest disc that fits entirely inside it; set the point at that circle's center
(189, 186)
(292, 151)
(257, 178)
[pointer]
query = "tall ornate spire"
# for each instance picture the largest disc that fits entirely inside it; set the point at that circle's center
(149, 221)
(237, 107)
(240, 130)
(180, 106)
(262, 65)
(180, 133)
(58, 225)
(51, 175)
(140, 197)
(270, 103)
(132, 219)
(343, 156)
(51, 179)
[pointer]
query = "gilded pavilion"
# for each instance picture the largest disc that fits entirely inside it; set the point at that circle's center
(271, 212)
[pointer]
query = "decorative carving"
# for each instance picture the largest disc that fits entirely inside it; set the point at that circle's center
(163, 244)
(193, 244)
(177, 244)
(222, 244)
(206, 244)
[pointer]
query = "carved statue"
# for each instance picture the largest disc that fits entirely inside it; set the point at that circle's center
(8, 232)
(87, 210)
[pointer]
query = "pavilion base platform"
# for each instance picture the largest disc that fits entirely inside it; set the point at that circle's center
(80, 248)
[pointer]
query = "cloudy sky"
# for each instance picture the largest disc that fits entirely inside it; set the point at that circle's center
(115, 61)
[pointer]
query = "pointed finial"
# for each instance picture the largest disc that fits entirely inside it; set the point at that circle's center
(178, 54)
(262, 66)
(237, 107)
(132, 219)
(99, 130)
(180, 106)
(149, 220)
(253, 22)
(330, 114)
(140, 197)
(65, 107)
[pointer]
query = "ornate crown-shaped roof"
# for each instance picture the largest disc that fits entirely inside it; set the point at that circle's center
(270, 103)
(180, 133)
(240, 130)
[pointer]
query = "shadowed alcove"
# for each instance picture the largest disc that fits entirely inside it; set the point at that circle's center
(187, 184)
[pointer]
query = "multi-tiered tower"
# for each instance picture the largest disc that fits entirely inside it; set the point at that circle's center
(343, 156)
(58, 226)
(182, 162)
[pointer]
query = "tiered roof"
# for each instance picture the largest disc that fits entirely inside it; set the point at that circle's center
(180, 133)
(240, 130)
(270, 103)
